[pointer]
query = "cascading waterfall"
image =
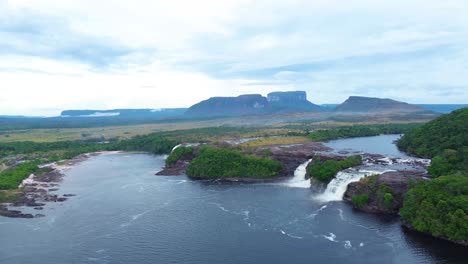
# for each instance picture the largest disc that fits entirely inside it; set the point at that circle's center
(299, 180)
(174, 148)
(185, 145)
(337, 187)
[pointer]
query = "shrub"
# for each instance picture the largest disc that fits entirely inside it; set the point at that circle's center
(388, 199)
(12, 178)
(360, 200)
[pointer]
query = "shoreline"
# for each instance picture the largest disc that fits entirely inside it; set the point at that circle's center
(409, 228)
(34, 191)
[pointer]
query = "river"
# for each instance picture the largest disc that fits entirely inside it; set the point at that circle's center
(124, 214)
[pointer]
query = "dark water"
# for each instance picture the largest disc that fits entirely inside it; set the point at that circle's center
(124, 214)
(383, 144)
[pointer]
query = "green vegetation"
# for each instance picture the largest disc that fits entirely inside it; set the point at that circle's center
(65, 149)
(388, 199)
(179, 153)
(360, 200)
(444, 140)
(360, 131)
(153, 143)
(439, 207)
(224, 163)
(12, 178)
(326, 171)
(8, 196)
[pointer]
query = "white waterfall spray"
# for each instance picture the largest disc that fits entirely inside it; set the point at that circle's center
(299, 180)
(337, 187)
(185, 145)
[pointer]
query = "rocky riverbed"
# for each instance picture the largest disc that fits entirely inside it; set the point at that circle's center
(38, 190)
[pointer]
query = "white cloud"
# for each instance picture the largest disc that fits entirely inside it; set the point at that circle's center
(61, 54)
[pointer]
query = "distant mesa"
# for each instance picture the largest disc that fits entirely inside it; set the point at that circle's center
(291, 102)
(360, 104)
(248, 104)
(135, 113)
(253, 104)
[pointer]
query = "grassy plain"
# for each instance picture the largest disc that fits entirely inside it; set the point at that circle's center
(268, 125)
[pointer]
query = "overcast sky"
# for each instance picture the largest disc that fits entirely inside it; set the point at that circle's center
(82, 54)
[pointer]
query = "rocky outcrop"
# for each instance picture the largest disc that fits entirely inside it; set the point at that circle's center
(177, 169)
(359, 104)
(385, 192)
(291, 156)
(13, 213)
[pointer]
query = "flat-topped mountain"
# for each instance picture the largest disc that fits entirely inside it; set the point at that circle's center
(248, 104)
(253, 104)
(290, 102)
(165, 112)
(360, 104)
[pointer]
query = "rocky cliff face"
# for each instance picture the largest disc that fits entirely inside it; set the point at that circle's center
(360, 104)
(385, 192)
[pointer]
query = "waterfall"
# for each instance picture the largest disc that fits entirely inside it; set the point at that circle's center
(337, 187)
(186, 145)
(176, 147)
(299, 180)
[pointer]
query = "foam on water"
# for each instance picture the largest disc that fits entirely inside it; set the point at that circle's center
(337, 187)
(331, 237)
(299, 180)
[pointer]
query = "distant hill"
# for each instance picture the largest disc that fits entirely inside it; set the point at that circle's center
(135, 113)
(253, 104)
(359, 104)
(436, 108)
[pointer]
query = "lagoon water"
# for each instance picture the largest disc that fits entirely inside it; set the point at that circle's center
(124, 214)
(383, 144)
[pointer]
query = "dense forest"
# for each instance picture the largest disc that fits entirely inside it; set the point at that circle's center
(444, 140)
(360, 131)
(439, 207)
(225, 163)
(325, 171)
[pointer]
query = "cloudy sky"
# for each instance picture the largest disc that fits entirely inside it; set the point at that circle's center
(69, 54)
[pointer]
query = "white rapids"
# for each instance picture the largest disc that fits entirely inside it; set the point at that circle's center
(299, 180)
(337, 187)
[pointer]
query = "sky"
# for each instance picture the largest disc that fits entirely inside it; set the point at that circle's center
(88, 54)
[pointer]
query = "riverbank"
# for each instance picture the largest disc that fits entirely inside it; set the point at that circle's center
(38, 190)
